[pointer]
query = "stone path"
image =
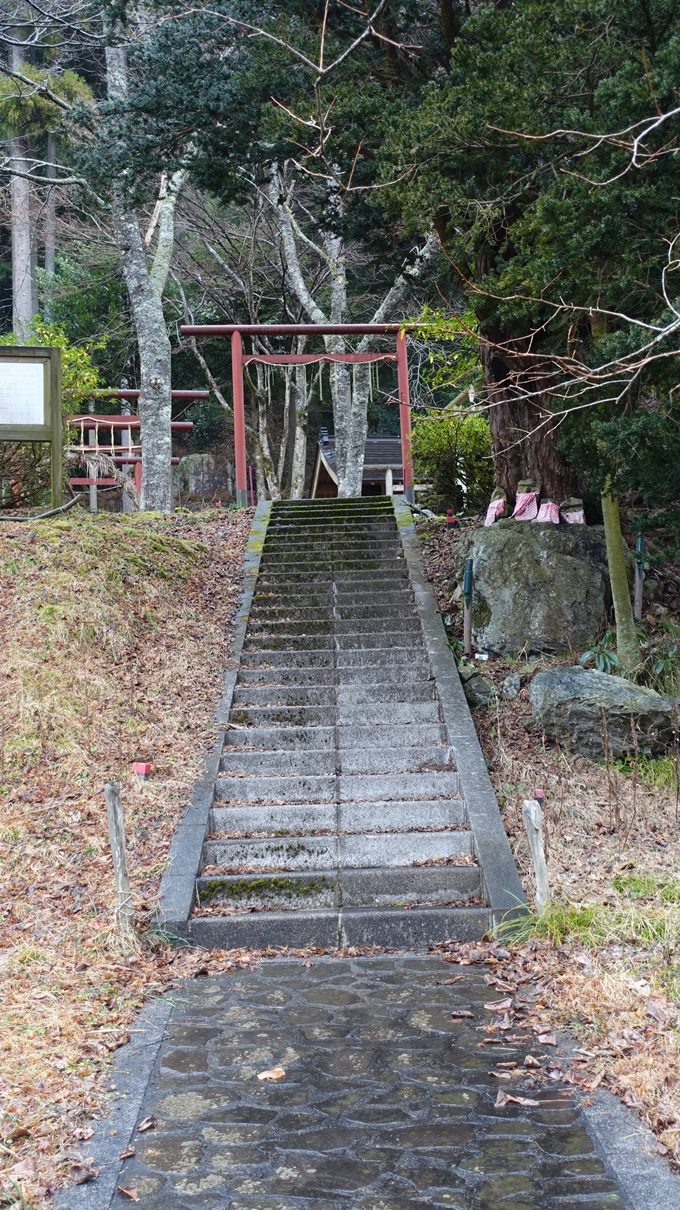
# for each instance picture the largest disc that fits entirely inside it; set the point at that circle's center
(387, 1101)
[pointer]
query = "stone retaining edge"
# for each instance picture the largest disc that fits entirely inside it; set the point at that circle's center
(178, 884)
(129, 1079)
(499, 873)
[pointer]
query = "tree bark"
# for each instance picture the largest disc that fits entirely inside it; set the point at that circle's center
(523, 446)
(145, 292)
(299, 467)
(627, 643)
(24, 301)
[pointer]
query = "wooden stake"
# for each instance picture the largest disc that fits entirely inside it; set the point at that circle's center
(533, 822)
(125, 913)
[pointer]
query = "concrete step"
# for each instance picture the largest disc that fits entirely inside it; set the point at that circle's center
(288, 660)
(401, 816)
(356, 927)
(294, 819)
(302, 642)
(285, 548)
(399, 735)
(399, 886)
(372, 715)
(288, 763)
(275, 789)
(355, 854)
(406, 849)
(385, 640)
(383, 562)
(279, 853)
(282, 677)
(368, 675)
(284, 716)
(271, 695)
(403, 622)
(378, 787)
(364, 818)
(387, 759)
(408, 692)
(416, 929)
(287, 625)
(268, 739)
(408, 657)
(271, 892)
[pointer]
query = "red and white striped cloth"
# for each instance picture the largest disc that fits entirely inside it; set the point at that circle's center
(494, 511)
(548, 511)
(526, 506)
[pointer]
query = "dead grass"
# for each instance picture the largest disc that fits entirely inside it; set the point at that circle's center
(610, 965)
(114, 634)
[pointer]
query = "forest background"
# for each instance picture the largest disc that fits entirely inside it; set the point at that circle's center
(504, 173)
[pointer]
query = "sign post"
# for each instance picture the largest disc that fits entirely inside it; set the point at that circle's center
(30, 403)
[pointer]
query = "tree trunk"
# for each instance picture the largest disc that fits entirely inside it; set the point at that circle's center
(523, 446)
(299, 467)
(627, 643)
(265, 461)
(155, 403)
(24, 302)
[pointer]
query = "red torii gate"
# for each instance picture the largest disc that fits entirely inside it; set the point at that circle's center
(239, 359)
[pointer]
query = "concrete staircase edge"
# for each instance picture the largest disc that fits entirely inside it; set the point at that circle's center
(500, 877)
(177, 891)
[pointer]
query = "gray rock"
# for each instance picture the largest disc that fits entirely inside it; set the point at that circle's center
(511, 686)
(538, 587)
(579, 708)
(204, 475)
(479, 690)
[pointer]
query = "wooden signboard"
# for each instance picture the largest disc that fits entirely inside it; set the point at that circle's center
(30, 403)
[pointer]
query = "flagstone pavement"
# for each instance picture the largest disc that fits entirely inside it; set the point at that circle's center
(387, 1099)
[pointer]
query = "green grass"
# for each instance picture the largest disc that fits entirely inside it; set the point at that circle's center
(648, 886)
(594, 925)
(659, 772)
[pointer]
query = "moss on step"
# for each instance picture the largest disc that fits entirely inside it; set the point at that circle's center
(261, 887)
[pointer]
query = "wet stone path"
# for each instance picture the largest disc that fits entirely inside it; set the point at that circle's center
(387, 1100)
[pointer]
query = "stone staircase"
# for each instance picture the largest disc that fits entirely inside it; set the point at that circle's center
(337, 816)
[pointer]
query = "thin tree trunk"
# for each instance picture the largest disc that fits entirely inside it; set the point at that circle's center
(155, 404)
(299, 467)
(627, 643)
(272, 486)
(24, 305)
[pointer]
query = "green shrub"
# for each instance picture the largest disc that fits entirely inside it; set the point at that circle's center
(454, 452)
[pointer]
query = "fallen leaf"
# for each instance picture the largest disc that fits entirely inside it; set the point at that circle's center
(131, 1194)
(459, 1013)
(547, 1039)
(83, 1173)
(530, 1061)
(125, 1155)
(272, 1073)
(503, 1075)
(499, 1006)
(147, 1124)
(507, 1098)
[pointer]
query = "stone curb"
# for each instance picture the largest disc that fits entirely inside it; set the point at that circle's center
(503, 888)
(130, 1076)
(177, 889)
(626, 1146)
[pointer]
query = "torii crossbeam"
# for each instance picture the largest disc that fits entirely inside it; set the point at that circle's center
(239, 359)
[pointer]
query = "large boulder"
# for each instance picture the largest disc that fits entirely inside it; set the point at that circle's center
(538, 588)
(594, 713)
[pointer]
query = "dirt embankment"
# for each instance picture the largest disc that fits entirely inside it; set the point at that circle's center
(114, 633)
(607, 956)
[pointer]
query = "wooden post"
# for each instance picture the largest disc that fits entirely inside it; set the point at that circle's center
(238, 397)
(57, 462)
(533, 822)
(94, 503)
(125, 913)
(639, 576)
(467, 608)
